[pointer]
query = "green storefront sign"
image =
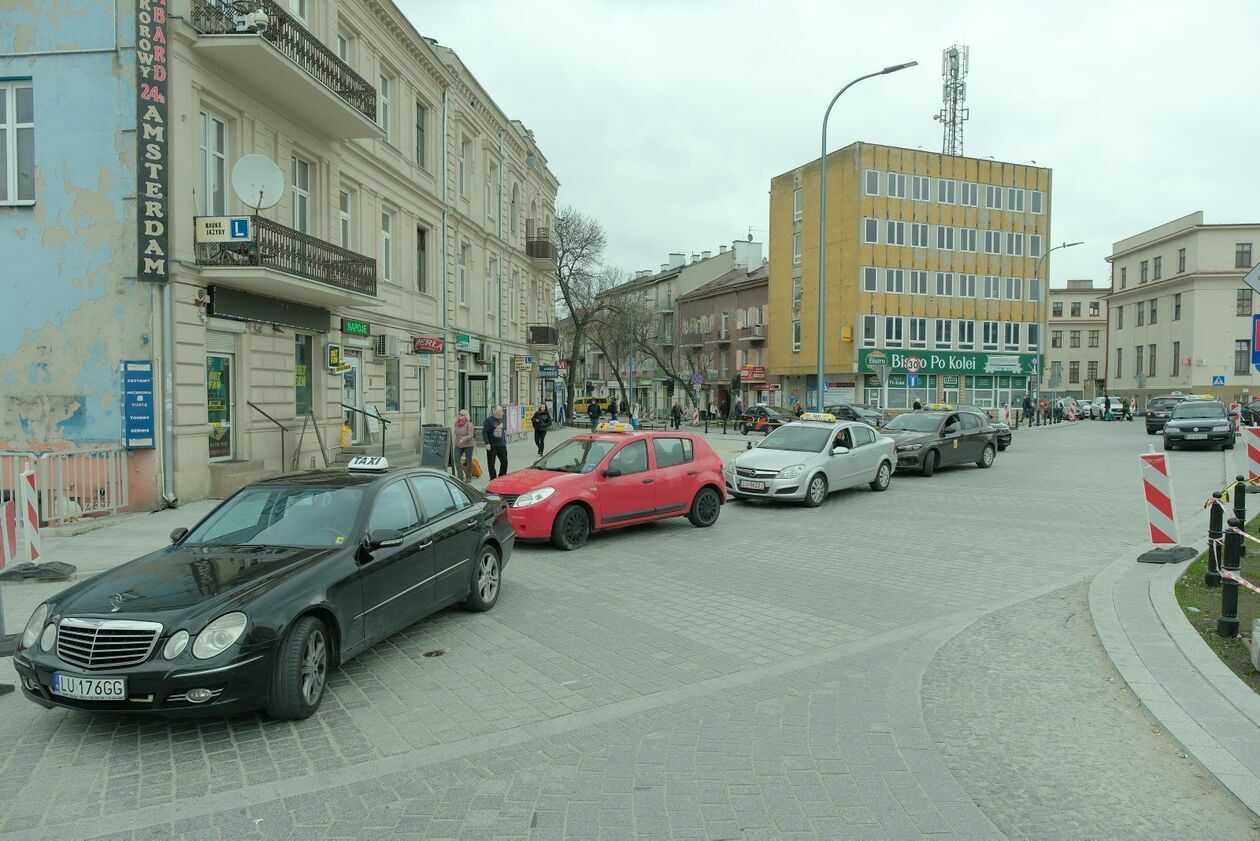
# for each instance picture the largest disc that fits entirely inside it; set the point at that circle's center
(355, 328)
(947, 362)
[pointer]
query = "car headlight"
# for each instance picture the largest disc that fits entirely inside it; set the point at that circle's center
(532, 497)
(219, 635)
(175, 645)
(792, 472)
(908, 448)
(1221, 428)
(34, 625)
(48, 638)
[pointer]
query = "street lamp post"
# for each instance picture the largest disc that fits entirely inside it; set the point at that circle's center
(1044, 290)
(822, 219)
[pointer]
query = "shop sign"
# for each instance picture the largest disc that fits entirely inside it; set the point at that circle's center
(753, 373)
(943, 362)
(224, 229)
(355, 328)
(428, 344)
(951, 382)
(334, 357)
(563, 364)
(137, 383)
(524, 363)
(467, 344)
(152, 142)
(548, 372)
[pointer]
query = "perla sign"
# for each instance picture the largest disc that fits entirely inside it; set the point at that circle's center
(930, 362)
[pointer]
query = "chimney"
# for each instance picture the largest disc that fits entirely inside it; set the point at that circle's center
(642, 273)
(695, 258)
(677, 258)
(747, 254)
(664, 267)
(721, 249)
(704, 255)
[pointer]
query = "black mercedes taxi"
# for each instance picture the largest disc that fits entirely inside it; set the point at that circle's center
(282, 582)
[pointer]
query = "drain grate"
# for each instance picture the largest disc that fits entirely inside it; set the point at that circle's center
(437, 652)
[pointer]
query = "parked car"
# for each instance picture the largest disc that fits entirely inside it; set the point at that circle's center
(612, 478)
(1159, 409)
(762, 418)
(1005, 436)
(853, 412)
(940, 437)
(1249, 413)
(807, 459)
(1199, 423)
(284, 581)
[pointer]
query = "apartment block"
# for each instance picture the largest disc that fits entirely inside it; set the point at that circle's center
(1077, 338)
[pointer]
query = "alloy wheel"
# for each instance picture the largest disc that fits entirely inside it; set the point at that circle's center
(488, 577)
(314, 667)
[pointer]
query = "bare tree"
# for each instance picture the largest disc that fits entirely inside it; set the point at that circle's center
(677, 367)
(580, 243)
(614, 328)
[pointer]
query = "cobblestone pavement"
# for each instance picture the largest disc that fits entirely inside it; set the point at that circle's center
(760, 679)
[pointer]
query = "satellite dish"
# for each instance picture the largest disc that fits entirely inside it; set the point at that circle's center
(257, 181)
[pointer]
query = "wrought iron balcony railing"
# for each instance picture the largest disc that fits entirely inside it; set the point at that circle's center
(538, 244)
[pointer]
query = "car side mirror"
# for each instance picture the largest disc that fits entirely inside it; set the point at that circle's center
(178, 534)
(384, 538)
(612, 473)
(839, 451)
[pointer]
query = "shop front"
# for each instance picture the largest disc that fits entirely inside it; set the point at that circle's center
(990, 380)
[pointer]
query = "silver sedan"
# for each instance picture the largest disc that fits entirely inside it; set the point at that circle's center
(807, 459)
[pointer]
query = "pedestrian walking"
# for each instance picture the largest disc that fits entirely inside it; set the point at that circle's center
(739, 408)
(625, 408)
(495, 436)
(465, 442)
(541, 422)
(1028, 409)
(634, 414)
(918, 406)
(675, 414)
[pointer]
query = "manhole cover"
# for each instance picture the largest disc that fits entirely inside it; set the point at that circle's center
(437, 652)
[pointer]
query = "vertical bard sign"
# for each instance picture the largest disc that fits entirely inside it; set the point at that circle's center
(137, 382)
(152, 149)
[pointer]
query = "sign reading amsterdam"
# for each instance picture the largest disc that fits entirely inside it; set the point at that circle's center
(152, 149)
(946, 362)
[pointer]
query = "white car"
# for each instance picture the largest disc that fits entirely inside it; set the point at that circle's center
(807, 459)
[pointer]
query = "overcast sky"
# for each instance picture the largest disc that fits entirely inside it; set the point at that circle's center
(666, 119)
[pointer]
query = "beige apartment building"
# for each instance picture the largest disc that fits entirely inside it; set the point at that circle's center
(723, 327)
(1180, 318)
(1077, 328)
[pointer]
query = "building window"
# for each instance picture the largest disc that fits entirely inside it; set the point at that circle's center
(1181, 260)
(422, 261)
(796, 335)
(422, 124)
(492, 278)
(1015, 200)
(894, 280)
(796, 293)
(966, 335)
(1012, 335)
(1137, 362)
(1119, 318)
(992, 242)
(1014, 289)
(919, 235)
(966, 286)
(796, 248)
(798, 204)
(1034, 289)
(393, 385)
(1119, 362)
(896, 233)
(922, 188)
(1056, 338)
(1141, 313)
(514, 312)
(945, 284)
(1015, 244)
(896, 185)
(1076, 309)
(990, 335)
(870, 279)
(1093, 338)
(946, 191)
(872, 182)
(1145, 271)
(302, 374)
(1150, 361)
(1034, 336)
(300, 9)
(1092, 371)
(465, 254)
(465, 148)
(387, 245)
(868, 330)
(1177, 307)
(345, 221)
(992, 287)
(970, 194)
(1124, 276)
(944, 334)
(918, 332)
(214, 154)
(343, 47)
(993, 197)
(918, 282)
(870, 230)
(1074, 338)
(1056, 309)
(1095, 309)
(1242, 255)
(944, 238)
(382, 106)
(892, 331)
(967, 239)
(1242, 302)
(1176, 359)
(1074, 372)
(1242, 356)
(1154, 310)
(301, 193)
(1157, 268)
(1035, 199)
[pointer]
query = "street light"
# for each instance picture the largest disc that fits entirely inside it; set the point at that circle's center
(822, 218)
(1041, 334)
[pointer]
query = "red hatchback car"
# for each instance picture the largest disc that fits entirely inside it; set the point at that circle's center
(612, 478)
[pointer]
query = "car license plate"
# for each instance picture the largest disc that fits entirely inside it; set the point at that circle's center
(90, 688)
(752, 486)
(1196, 436)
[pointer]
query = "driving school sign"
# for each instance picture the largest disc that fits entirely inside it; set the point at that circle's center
(152, 151)
(946, 362)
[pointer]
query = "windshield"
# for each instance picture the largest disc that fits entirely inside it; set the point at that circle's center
(1162, 404)
(1199, 410)
(914, 422)
(798, 439)
(577, 455)
(269, 515)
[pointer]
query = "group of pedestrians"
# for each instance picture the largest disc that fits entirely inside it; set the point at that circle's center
(494, 436)
(631, 412)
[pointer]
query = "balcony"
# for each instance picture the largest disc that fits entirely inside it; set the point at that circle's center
(692, 340)
(538, 244)
(722, 336)
(280, 262)
(288, 66)
(542, 334)
(665, 339)
(665, 306)
(752, 333)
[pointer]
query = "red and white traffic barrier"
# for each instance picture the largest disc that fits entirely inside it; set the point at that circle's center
(1006, 414)
(1072, 412)
(1251, 440)
(1157, 489)
(30, 514)
(8, 533)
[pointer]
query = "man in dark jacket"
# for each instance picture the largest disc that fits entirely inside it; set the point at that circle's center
(675, 414)
(625, 409)
(495, 436)
(1028, 409)
(593, 410)
(541, 421)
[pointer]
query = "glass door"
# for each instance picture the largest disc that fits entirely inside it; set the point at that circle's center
(219, 405)
(478, 397)
(352, 392)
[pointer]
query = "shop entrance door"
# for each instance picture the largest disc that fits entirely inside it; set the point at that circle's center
(220, 404)
(352, 392)
(474, 395)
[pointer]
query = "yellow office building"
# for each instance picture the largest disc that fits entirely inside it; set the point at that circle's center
(931, 269)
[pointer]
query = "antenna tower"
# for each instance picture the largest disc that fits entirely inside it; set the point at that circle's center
(954, 62)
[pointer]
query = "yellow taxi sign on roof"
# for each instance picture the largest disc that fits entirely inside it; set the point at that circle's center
(940, 407)
(614, 426)
(1200, 397)
(825, 417)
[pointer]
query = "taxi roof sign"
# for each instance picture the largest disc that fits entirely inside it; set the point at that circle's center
(614, 426)
(368, 464)
(825, 417)
(940, 407)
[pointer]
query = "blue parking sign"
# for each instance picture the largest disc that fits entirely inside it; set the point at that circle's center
(912, 380)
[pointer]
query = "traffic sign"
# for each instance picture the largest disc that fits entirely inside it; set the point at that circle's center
(912, 380)
(1252, 278)
(1218, 380)
(912, 365)
(881, 372)
(697, 378)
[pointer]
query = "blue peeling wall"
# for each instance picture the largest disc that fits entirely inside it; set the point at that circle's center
(71, 308)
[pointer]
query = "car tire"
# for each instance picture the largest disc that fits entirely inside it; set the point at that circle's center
(743, 430)
(1150, 431)
(1228, 445)
(1168, 445)
(986, 457)
(705, 508)
(930, 463)
(883, 477)
(815, 491)
(301, 672)
(571, 528)
(487, 581)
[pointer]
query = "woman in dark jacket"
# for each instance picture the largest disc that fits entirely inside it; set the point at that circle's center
(541, 422)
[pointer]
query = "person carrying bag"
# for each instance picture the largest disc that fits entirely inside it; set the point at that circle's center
(465, 440)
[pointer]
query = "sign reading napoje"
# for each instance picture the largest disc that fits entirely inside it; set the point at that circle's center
(152, 149)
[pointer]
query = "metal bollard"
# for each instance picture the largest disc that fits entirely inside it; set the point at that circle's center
(1216, 516)
(706, 423)
(1240, 511)
(1227, 624)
